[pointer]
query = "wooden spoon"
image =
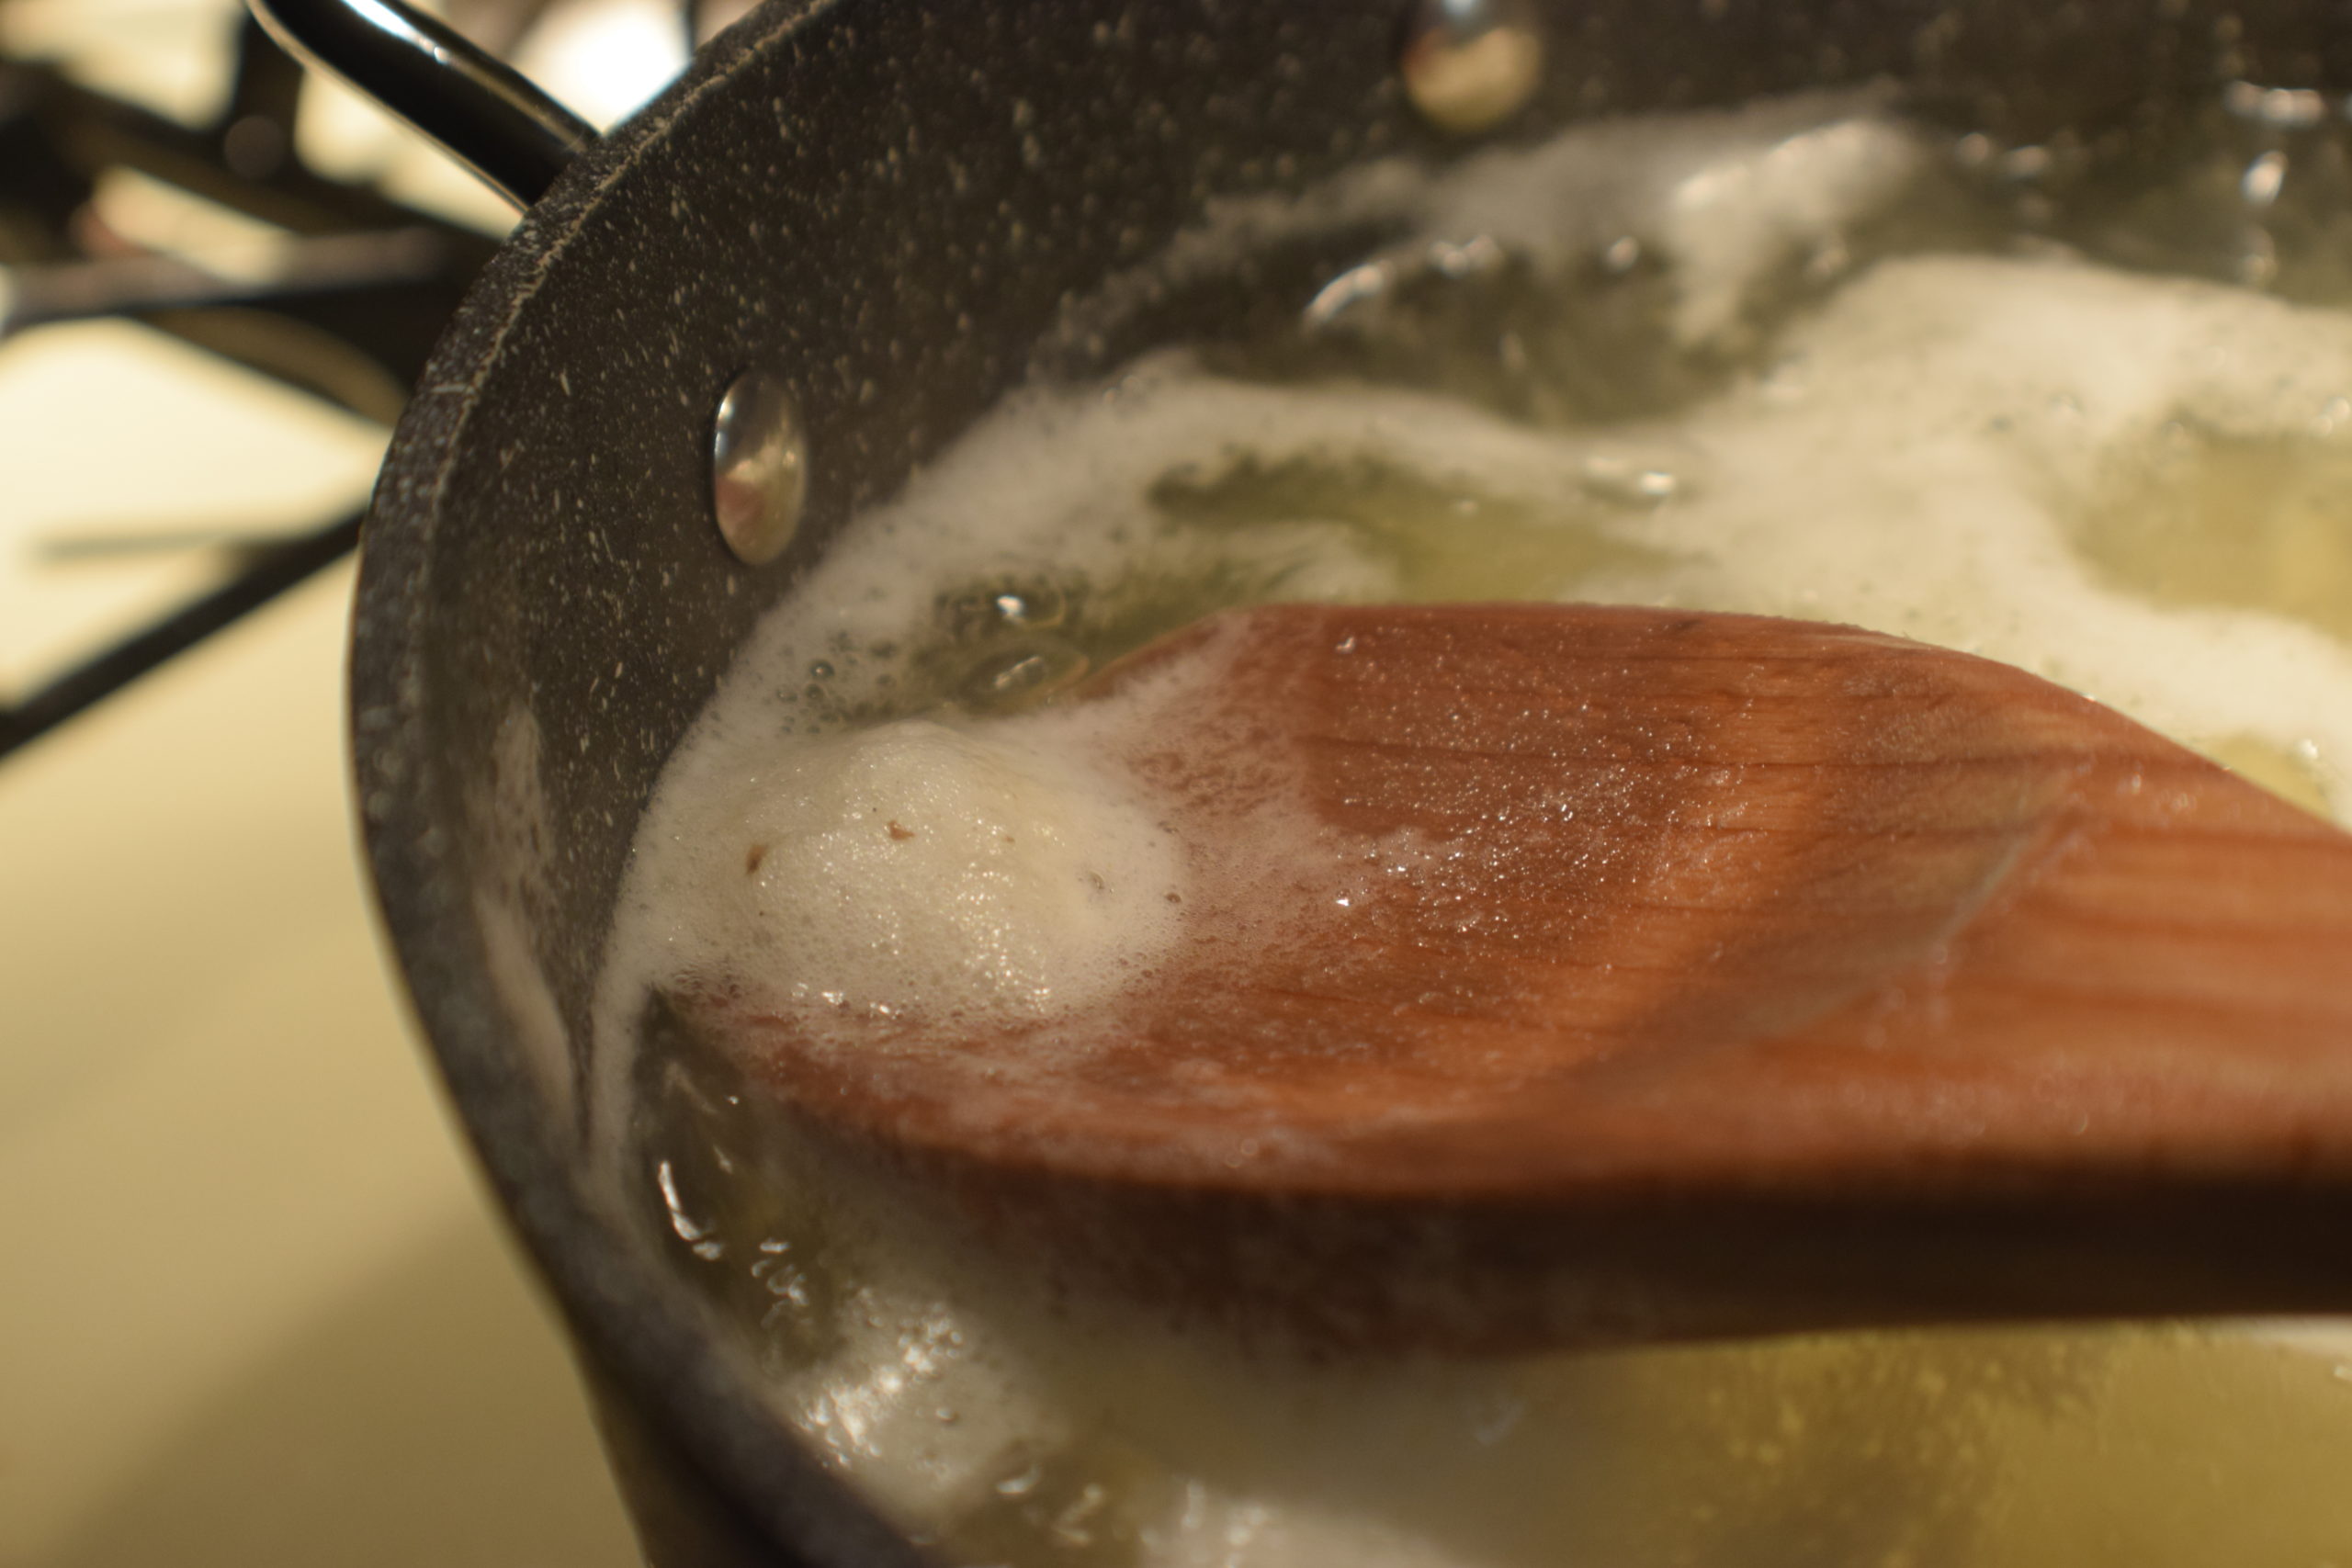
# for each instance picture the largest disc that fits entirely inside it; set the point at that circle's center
(1703, 974)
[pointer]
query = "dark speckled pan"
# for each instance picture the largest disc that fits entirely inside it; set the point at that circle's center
(902, 210)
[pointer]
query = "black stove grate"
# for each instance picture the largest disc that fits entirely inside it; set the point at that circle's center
(348, 315)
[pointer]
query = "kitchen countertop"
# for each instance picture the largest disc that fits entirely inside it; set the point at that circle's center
(254, 1305)
(256, 1308)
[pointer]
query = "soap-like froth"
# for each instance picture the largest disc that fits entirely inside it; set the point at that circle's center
(1723, 200)
(1918, 457)
(927, 872)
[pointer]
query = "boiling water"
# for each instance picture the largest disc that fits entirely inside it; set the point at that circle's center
(2087, 413)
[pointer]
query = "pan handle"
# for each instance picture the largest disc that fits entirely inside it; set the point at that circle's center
(489, 117)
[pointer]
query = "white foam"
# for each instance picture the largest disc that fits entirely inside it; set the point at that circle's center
(1723, 200)
(922, 870)
(1916, 464)
(1726, 198)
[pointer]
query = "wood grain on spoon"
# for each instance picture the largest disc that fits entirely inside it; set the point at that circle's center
(1703, 974)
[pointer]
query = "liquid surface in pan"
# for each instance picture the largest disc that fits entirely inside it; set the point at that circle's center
(2089, 413)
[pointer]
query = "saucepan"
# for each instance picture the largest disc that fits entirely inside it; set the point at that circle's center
(759, 304)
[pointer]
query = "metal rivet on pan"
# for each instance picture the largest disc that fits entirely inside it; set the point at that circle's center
(758, 467)
(1470, 65)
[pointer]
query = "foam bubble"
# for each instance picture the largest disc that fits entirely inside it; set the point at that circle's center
(1923, 470)
(1724, 200)
(924, 870)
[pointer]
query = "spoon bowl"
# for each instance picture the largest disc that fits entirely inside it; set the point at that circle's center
(1574, 973)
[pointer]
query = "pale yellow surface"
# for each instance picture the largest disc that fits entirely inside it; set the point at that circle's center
(111, 432)
(252, 1308)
